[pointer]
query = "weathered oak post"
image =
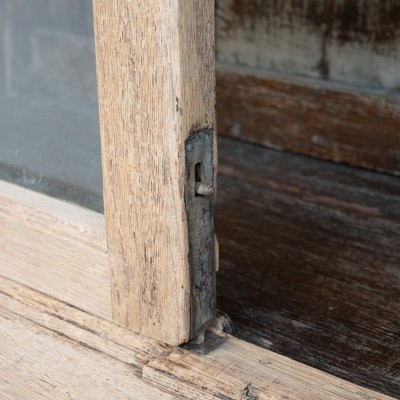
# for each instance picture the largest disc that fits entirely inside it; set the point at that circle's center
(156, 81)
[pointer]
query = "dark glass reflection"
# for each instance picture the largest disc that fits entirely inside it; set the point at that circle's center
(49, 125)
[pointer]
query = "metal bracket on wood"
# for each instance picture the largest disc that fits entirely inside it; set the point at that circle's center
(199, 201)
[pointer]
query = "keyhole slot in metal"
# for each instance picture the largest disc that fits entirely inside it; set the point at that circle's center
(201, 188)
(198, 177)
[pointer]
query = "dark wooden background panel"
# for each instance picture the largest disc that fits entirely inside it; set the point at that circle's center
(310, 266)
(323, 121)
(350, 41)
(337, 48)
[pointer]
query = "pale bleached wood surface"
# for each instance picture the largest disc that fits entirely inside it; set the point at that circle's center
(50, 350)
(55, 247)
(37, 366)
(37, 362)
(240, 370)
(79, 326)
(155, 68)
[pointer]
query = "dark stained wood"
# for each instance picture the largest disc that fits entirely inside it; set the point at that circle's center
(347, 20)
(310, 263)
(349, 41)
(356, 128)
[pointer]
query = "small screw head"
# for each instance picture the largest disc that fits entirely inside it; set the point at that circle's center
(204, 190)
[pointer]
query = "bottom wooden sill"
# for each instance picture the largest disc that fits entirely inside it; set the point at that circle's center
(52, 350)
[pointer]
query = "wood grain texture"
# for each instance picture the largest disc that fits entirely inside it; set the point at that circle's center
(155, 66)
(37, 366)
(338, 40)
(78, 326)
(37, 363)
(310, 266)
(55, 247)
(317, 119)
(239, 370)
(49, 350)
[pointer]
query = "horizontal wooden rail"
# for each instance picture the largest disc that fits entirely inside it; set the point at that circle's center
(55, 247)
(310, 117)
(38, 334)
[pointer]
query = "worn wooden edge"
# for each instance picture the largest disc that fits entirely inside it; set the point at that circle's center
(55, 247)
(79, 326)
(229, 368)
(40, 366)
(222, 368)
(320, 119)
(49, 350)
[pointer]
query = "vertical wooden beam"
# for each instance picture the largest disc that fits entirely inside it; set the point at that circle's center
(155, 66)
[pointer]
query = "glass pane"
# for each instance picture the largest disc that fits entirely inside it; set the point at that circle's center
(49, 125)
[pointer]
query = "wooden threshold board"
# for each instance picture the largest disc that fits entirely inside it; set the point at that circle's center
(49, 349)
(310, 262)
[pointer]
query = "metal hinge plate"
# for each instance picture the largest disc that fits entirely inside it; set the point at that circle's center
(199, 201)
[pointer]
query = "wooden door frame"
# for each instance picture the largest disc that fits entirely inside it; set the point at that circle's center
(156, 87)
(156, 82)
(61, 250)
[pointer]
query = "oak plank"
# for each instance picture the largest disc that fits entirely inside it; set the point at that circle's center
(155, 68)
(36, 364)
(56, 247)
(239, 370)
(315, 78)
(79, 326)
(320, 119)
(49, 349)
